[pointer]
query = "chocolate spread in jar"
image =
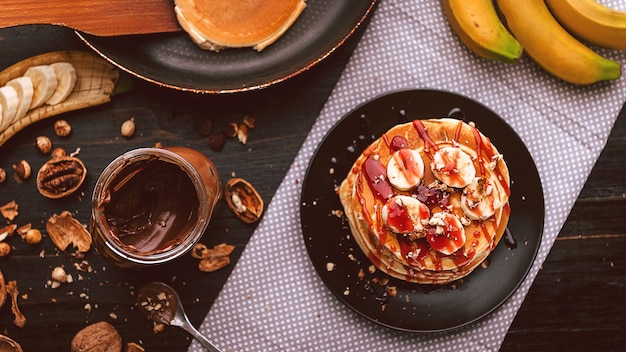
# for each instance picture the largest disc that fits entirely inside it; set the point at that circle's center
(150, 205)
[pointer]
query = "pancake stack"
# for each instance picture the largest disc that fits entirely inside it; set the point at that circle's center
(218, 24)
(428, 201)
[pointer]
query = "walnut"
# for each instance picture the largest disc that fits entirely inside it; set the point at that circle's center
(60, 176)
(64, 229)
(7, 344)
(243, 200)
(97, 337)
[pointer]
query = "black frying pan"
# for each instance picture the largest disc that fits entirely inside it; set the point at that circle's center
(173, 60)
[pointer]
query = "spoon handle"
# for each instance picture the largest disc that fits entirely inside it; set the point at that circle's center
(206, 343)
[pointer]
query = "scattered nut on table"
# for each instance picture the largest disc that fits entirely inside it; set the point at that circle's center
(64, 230)
(22, 170)
(60, 176)
(3, 175)
(128, 128)
(5, 249)
(7, 344)
(62, 128)
(243, 200)
(9, 210)
(33, 236)
(212, 259)
(43, 144)
(97, 337)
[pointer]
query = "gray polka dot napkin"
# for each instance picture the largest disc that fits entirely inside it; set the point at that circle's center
(275, 301)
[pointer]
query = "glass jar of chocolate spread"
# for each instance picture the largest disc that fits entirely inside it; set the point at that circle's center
(152, 205)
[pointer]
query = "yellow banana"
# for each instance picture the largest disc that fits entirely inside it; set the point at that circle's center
(591, 21)
(478, 26)
(552, 47)
(96, 80)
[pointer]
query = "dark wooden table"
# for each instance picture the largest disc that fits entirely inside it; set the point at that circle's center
(577, 301)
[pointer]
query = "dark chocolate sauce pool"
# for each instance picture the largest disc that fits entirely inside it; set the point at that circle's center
(150, 207)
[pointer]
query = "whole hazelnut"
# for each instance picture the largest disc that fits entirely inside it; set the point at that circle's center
(22, 170)
(59, 274)
(5, 249)
(43, 144)
(33, 236)
(62, 128)
(58, 153)
(128, 128)
(3, 175)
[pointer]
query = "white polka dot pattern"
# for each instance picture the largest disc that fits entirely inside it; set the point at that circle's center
(275, 301)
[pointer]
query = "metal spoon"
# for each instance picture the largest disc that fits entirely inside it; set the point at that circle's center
(160, 303)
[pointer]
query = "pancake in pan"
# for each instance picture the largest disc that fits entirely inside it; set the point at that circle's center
(219, 24)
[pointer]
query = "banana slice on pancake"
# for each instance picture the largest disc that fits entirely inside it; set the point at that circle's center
(9, 104)
(24, 88)
(218, 24)
(66, 79)
(44, 83)
(430, 225)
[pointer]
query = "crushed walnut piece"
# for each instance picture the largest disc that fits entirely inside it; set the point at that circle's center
(7, 231)
(212, 259)
(65, 230)
(9, 210)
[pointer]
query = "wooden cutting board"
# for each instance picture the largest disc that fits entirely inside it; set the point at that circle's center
(98, 17)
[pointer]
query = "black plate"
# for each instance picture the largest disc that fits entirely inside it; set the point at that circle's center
(173, 60)
(417, 308)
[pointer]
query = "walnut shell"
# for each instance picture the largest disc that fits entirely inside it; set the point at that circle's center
(64, 229)
(97, 337)
(7, 344)
(3, 290)
(243, 200)
(60, 176)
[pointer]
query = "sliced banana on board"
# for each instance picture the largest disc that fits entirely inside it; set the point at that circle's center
(44, 83)
(56, 88)
(66, 79)
(24, 88)
(10, 103)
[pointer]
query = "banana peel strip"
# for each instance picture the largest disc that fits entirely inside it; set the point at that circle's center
(95, 83)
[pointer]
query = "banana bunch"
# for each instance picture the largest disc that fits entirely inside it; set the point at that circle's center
(534, 25)
(50, 84)
(592, 22)
(477, 24)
